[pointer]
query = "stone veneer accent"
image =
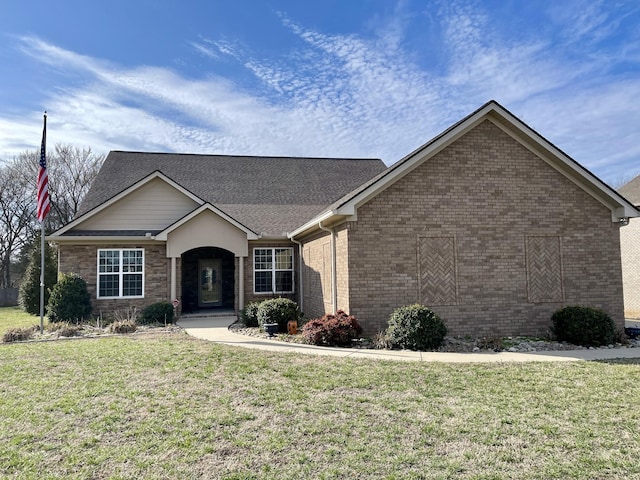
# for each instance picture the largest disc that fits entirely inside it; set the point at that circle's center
(630, 246)
(83, 259)
(491, 197)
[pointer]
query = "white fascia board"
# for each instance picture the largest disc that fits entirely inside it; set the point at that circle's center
(101, 238)
(562, 163)
(124, 193)
(311, 224)
(620, 208)
(411, 162)
(251, 235)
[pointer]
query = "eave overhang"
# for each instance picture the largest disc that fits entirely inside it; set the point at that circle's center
(346, 208)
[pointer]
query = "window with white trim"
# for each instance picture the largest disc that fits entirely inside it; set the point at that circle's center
(273, 270)
(121, 273)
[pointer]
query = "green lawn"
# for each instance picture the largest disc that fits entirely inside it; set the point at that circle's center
(15, 317)
(170, 406)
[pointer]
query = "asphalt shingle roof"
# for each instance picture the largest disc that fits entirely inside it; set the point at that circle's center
(270, 195)
(631, 191)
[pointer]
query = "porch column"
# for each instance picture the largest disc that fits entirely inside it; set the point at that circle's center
(173, 279)
(241, 282)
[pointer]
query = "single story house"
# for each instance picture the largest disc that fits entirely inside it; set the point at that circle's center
(489, 224)
(630, 246)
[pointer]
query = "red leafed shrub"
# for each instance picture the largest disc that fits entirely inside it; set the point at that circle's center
(332, 329)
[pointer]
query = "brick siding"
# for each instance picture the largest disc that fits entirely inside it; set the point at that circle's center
(317, 275)
(490, 197)
(82, 260)
(630, 246)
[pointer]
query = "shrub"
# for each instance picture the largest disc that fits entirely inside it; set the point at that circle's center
(17, 334)
(157, 313)
(491, 343)
(278, 310)
(69, 300)
(64, 329)
(122, 326)
(415, 327)
(585, 326)
(332, 329)
(250, 314)
(380, 341)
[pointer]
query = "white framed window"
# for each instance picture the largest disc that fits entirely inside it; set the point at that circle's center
(121, 273)
(273, 270)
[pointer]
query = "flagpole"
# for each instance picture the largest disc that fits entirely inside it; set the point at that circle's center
(43, 148)
(42, 279)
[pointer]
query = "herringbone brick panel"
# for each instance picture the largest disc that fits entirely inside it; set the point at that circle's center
(437, 258)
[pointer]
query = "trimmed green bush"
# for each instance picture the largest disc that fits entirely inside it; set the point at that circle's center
(278, 310)
(156, 313)
(69, 300)
(338, 329)
(415, 327)
(584, 326)
(250, 314)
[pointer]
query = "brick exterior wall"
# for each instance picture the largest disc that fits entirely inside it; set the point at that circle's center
(483, 201)
(316, 274)
(82, 260)
(630, 246)
(342, 266)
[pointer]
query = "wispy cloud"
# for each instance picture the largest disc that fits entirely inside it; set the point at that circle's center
(355, 95)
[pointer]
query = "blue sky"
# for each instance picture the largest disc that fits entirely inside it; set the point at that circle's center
(334, 78)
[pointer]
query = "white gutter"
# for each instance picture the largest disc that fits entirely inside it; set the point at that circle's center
(311, 223)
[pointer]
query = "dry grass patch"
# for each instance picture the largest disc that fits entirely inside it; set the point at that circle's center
(170, 406)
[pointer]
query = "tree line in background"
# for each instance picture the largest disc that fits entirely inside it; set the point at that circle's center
(71, 172)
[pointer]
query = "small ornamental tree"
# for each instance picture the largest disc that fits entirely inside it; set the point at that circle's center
(69, 300)
(416, 327)
(29, 294)
(339, 329)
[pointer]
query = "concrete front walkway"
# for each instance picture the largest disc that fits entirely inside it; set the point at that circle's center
(215, 329)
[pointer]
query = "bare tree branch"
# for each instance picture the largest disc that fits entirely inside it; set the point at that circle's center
(71, 172)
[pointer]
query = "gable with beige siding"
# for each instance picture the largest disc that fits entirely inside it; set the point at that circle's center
(153, 206)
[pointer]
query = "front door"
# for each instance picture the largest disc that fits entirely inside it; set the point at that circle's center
(209, 284)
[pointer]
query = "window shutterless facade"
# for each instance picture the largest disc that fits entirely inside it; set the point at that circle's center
(121, 273)
(273, 270)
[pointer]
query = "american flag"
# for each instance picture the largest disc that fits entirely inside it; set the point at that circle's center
(43, 177)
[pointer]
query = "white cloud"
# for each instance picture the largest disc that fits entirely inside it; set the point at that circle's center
(351, 95)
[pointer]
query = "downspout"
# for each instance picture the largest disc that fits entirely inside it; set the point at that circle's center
(300, 282)
(334, 286)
